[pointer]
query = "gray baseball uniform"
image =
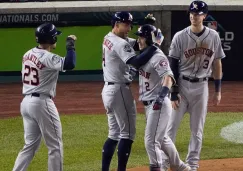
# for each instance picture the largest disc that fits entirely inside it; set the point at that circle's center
(156, 139)
(116, 94)
(196, 55)
(40, 70)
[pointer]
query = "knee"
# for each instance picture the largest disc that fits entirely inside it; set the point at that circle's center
(114, 136)
(128, 134)
(149, 143)
(197, 134)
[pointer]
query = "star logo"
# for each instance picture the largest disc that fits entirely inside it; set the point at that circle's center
(194, 6)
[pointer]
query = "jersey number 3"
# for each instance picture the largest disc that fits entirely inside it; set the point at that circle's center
(206, 63)
(31, 72)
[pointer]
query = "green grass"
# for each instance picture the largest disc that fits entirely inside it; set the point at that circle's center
(16, 41)
(83, 138)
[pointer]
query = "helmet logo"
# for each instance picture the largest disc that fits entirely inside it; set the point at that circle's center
(117, 16)
(194, 6)
(130, 17)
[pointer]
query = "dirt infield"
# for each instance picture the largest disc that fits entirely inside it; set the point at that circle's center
(85, 97)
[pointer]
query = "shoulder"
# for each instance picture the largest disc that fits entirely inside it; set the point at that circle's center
(212, 31)
(158, 56)
(180, 33)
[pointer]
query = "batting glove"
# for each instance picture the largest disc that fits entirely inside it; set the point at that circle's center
(149, 19)
(158, 104)
(157, 39)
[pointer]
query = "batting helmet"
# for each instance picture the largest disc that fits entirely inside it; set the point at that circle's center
(123, 17)
(46, 34)
(146, 32)
(198, 7)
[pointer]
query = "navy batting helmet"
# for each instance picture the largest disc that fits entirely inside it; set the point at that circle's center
(145, 31)
(198, 7)
(46, 34)
(123, 17)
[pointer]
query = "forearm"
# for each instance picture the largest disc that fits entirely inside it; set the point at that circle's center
(141, 59)
(166, 85)
(217, 70)
(167, 81)
(70, 58)
(217, 74)
(174, 65)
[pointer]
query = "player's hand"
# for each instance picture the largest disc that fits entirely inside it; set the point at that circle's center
(149, 19)
(216, 98)
(157, 105)
(70, 42)
(73, 37)
(157, 39)
(133, 71)
(175, 103)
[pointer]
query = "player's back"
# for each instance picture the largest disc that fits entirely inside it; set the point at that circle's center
(151, 74)
(40, 70)
(196, 53)
(116, 52)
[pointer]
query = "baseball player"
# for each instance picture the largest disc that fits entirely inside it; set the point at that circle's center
(40, 69)
(155, 80)
(118, 55)
(195, 52)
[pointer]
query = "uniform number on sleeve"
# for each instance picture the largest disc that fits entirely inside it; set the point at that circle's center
(205, 64)
(103, 57)
(31, 76)
(147, 86)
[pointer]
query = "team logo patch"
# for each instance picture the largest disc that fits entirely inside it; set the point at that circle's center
(127, 48)
(56, 59)
(163, 63)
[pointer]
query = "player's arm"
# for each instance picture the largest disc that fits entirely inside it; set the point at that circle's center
(174, 65)
(56, 62)
(174, 58)
(70, 58)
(217, 70)
(129, 56)
(217, 74)
(146, 55)
(162, 67)
(141, 59)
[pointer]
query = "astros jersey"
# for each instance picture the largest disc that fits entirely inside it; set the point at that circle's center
(116, 52)
(151, 74)
(40, 70)
(196, 54)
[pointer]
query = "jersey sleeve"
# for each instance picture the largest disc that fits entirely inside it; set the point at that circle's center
(219, 52)
(175, 49)
(125, 51)
(53, 61)
(132, 41)
(161, 64)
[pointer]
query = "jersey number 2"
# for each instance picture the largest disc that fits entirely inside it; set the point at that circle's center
(35, 76)
(147, 86)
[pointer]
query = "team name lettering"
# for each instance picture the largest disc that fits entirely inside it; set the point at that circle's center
(198, 51)
(33, 58)
(144, 74)
(108, 44)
